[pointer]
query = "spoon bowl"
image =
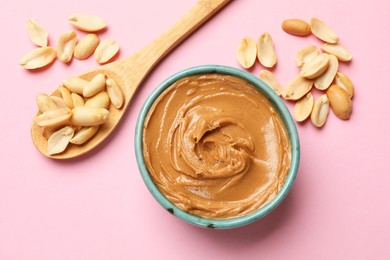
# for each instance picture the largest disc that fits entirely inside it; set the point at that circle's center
(130, 72)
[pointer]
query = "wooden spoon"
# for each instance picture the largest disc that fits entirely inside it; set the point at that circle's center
(130, 72)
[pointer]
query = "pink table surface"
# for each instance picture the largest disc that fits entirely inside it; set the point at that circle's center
(97, 207)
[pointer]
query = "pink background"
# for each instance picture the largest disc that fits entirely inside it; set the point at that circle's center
(97, 207)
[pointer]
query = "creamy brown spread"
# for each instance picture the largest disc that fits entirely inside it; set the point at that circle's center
(215, 146)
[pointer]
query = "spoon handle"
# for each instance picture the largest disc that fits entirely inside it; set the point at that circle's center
(151, 54)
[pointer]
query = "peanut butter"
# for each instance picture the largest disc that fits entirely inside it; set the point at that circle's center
(215, 146)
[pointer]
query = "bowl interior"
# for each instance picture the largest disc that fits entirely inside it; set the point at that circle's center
(284, 115)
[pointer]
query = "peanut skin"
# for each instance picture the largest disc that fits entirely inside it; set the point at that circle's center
(296, 27)
(340, 101)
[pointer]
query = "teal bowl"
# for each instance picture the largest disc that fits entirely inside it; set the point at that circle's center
(284, 115)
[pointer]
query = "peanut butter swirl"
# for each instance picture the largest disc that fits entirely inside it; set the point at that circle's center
(215, 146)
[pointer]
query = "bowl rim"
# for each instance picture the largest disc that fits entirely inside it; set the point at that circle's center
(283, 113)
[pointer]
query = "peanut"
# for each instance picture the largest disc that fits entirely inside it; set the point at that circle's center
(106, 50)
(296, 27)
(297, 88)
(340, 101)
(66, 45)
(89, 116)
(315, 67)
(246, 52)
(322, 31)
(37, 33)
(59, 140)
(86, 22)
(86, 46)
(266, 51)
(320, 111)
(38, 58)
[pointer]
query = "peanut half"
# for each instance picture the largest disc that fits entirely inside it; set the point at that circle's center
(86, 22)
(337, 50)
(77, 100)
(115, 93)
(75, 84)
(324, 81)
(66, 45)
(86, 46)
(296, 27)
(37, 33)
(97, 84)
(106, 50)
(303, 107)
(60, 103)
(306, 55)
(266, 51)
(246, 52)
(84, 134)
(45, 103)
(340, 101)
(54, 118)
(99, 100)
(66, 96)
(269, 78)
(315, 67)
(320, 111)
(59, 140)
(345, 83)
(297, 88)
(322, 31)
(38, 58)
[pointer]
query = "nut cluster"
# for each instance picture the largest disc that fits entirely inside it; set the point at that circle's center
(68, 45)
(318, 69)
(74, 113)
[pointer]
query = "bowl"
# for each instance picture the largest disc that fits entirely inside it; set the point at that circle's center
(285, 117)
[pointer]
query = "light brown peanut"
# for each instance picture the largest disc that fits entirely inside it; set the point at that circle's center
(345, 83)
(75, 84)
(84, 134)
(324, 81)
(266, 51)
(246, 52)
(45, 103)
(37, 33)
(59, 140)
(115, 93)
(38, 58)
(106, 50)
(86, 46)
(60, 103)
(269, 78)
(306, 55)
(320, 111)
(99, 100)
(65, 93)
(53, 118)
(323, 31)
(297, 88)
(303, 107)
(97, 84)
(296, 27)
(337, 50)
(315, 67)
(78, 101)
(66, 45)
(89, 116)
(86, 22)
(340, 101)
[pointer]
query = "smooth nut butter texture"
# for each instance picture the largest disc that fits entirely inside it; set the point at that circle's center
(215, 146)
